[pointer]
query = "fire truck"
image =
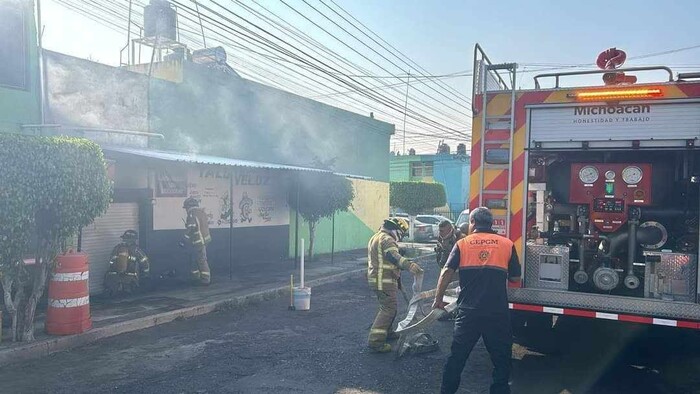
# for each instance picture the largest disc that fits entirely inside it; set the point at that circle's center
(597, 186)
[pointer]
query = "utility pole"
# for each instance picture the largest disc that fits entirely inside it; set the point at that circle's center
(405, 106)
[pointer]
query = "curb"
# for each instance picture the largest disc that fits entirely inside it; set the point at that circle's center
(53, 345)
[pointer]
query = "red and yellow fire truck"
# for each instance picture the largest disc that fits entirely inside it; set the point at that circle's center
(597, 186)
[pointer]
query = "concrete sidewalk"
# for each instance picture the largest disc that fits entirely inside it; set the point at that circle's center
(112, 317)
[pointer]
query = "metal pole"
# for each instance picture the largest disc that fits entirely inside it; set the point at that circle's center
(333, 239)
(230, 226)
(296, 226)
(405, 106)
(204, 39)
(128, 35)
(42, 66)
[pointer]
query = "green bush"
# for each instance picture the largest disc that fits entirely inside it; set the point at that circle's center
(50, 187)
(416, 197)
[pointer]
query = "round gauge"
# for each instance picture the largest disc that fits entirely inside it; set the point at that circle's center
(632, 175)
(610, 175)
(588, 174)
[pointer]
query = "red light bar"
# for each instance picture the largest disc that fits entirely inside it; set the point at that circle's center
(617, 94)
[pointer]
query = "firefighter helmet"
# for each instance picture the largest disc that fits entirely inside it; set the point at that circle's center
(398, 224)
(190, 203)
(130, 235)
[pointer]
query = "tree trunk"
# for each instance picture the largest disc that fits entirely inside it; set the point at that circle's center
(11, 304)
(312, 236)
(47, 254)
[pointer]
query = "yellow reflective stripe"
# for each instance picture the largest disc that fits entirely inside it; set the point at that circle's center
(389, 267)
(385, 280)
(392, 249)
(380, 271)
(378, 331)
(195, 272)
(205, 273)
(144, 259)
(197, 242)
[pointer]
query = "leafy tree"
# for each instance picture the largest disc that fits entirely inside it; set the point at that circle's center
(50, 187)
(416, 197)
(320, 196)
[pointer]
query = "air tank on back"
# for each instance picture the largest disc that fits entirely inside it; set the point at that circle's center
(160, 20)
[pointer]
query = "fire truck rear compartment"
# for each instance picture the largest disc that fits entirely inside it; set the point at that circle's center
(621, 223)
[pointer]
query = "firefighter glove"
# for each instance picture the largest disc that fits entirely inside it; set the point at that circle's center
(415, 269)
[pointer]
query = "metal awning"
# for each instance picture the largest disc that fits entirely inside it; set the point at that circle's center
(206, 159)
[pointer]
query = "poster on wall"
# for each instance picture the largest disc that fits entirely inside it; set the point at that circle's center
(259, 199)
(171, 183)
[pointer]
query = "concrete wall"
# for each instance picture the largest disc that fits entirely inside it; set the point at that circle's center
(20, 105)
(222, 114)
(87, 94)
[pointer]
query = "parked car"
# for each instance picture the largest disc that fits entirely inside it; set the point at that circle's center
(434, 221)
(423, 232)
(463, 218)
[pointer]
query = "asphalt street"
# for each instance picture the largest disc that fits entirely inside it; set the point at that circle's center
(265, 348)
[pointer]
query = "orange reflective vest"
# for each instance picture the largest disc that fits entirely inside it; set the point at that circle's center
(484, 250)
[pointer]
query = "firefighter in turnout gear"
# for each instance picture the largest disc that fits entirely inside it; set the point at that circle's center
(197, 235)
(127, 265)
(384, 267)
(446, 240)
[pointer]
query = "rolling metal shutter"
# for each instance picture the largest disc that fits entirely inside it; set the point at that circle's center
(613, 126)
(100, 238)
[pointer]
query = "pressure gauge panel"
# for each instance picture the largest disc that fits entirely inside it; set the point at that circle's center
(588, 174)
(632, 175)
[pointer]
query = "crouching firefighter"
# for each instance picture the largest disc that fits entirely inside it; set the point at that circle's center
(198, 236)
(128, 264)
(384, 267)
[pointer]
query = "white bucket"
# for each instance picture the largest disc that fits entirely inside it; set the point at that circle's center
(302, 298)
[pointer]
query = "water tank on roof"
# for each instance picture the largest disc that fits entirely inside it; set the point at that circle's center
(160, 20)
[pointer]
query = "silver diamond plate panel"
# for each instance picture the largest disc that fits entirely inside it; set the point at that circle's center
(547, 267)
(670, 276)
(606, 303)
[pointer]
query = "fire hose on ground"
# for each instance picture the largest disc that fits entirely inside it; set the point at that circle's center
(412, 338)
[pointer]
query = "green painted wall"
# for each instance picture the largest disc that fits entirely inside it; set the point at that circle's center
(22, 106)
(350, 233)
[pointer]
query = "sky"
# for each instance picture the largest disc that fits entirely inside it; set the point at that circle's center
(437, 35)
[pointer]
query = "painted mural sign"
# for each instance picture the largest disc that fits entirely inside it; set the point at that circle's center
(259, 199)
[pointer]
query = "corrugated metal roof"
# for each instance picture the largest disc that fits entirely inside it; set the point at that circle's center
(215, 160)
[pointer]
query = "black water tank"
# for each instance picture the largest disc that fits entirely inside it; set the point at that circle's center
(160, 20)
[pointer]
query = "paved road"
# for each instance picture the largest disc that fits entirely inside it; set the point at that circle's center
(268, 349)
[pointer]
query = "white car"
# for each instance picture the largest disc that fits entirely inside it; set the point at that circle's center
(463, 218)
(434, 221)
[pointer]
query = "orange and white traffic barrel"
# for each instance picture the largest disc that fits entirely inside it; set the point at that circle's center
(69, 296)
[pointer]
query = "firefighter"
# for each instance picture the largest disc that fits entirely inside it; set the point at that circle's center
(127, 265)
(446, 240)
(198, 236)
(485, 261)
(384, 267)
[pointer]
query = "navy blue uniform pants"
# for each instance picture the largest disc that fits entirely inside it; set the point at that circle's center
(470, 325)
